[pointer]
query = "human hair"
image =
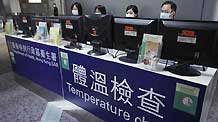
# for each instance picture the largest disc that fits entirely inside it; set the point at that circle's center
(101, 8)
(78, 6)
(171, 3)
(134, 8)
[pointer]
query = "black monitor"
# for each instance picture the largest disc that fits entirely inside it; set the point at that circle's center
(72, 30)
(26, 25)
(189, 42)
(51, 21)
(35, 23)
(128, 35)
(98, 31)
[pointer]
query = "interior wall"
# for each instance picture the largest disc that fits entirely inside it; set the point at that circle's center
(38, 8)
(210, 10)
(2, 8)
(45, 8)
(15, 6)
(6, 9)
(215, 15)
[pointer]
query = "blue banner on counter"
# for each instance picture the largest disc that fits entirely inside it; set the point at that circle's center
(120, 93)
(36, 62)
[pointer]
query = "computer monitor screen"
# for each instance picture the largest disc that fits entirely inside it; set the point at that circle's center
(98, 31)
(189, 42)
(128, 35)
(51, 21)
(26, 25)
(72, 30)
(35, 22)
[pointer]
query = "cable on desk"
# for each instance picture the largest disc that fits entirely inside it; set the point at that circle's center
(121, 54)
(116, 54)
(110, 53)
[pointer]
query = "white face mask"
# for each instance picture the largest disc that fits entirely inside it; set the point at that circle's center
(75, 12)
(164, 15)
(130, 15)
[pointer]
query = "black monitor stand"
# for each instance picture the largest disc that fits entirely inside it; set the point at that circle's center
(26, 36)
(131, 57)
(73, 43)
(97, 51)
(27, 33)
(19, 33)
(183, 69)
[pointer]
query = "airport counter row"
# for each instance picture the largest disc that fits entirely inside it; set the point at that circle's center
(113, 90)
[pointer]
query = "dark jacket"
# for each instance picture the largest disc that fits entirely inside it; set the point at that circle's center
(55, 11)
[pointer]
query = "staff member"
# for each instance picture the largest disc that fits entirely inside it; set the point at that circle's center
(100, 9)
(168, 10)
(76, 9)
(132, 11)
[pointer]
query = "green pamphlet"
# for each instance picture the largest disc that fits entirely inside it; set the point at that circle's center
(186, 98)
(65, 61)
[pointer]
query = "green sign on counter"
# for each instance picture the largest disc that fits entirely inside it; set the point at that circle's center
(64, 61)
(186, 98)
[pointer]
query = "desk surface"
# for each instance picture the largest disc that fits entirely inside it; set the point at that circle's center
(204, 79)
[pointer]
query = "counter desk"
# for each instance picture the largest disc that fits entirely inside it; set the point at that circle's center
(110, 89)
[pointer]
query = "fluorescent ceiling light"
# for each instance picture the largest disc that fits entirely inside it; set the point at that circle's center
(35, 1)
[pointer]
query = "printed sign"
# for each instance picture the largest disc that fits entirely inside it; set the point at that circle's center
(186, 98)
(187, 36)
(130, 31)
(64, 61)
(120, 93)
(36, 62)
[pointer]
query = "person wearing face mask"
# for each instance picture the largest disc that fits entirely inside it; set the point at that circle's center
(100, 9)
(76, 9)
(168, 10)
(55, 9)
(132, 11)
